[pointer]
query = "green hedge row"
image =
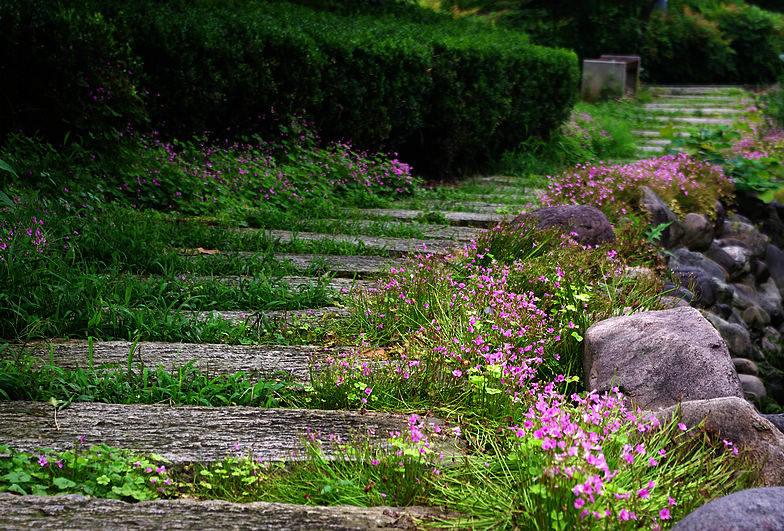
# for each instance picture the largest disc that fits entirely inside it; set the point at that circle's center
(446, 96)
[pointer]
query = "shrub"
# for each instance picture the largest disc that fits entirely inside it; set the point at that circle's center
(445, 95)
(685, 47)
(65, 70)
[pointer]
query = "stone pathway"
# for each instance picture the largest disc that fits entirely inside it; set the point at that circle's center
(679, 108)
(203, 434)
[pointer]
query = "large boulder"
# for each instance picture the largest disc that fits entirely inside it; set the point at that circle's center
(760, 509)
(588, 225)
(660, 358)
(734, 419)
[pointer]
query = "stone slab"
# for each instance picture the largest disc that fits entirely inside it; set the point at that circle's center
(185, 434)
(214, 359)
(74, 512)
(255, 319)
(468, 219)
(341, 266)
(393, 246)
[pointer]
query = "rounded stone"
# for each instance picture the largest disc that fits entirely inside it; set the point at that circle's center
(745, 366)
(760, 509)
(587, 225)
(697, 232)
(755, 317)
(753, 387)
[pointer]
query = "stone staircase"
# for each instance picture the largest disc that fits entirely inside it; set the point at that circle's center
(680, 108)
(190, 434)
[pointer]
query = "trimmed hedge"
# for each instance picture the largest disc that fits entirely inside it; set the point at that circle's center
(447, 96)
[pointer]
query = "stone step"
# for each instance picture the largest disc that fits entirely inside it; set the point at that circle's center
(296, 283)
(393, 246)
(693, 120)
(468, 219)
(653, 141)
(82, 513)
(704, 108)
(340, 266)
(651, 149)
(696, 89)
(255, 318)
(190, 434)
(648, 134)
(432, 230)
(259, 361)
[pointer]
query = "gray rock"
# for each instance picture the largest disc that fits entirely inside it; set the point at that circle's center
(735, 419)
(772, 333)
(774, 257)
(661, 213)
(697, 232)
(760, 509)
(684, 258)
(777, 419)
(769, 346)
(699, 283)
(716, 253)
(659, 358)
(740, 255)
(745, 366)
(753, 387)
(725, 293)
(589, 224)
(755, 317)
(741, 229)
(760, 271)
(769, 298)
(737, 338)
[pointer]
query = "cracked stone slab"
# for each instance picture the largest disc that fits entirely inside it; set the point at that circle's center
(468, 219)
(213, 359)
(255, 318)
(693, 120)
(189, 434)
(394, 246)
(73, 512)
(341, 266)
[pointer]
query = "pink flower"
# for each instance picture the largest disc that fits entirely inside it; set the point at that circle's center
(664, 514)
(578, 503)
(682, 426)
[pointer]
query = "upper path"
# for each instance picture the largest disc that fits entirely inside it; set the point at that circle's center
(676, 109)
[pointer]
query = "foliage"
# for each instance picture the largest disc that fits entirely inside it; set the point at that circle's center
(685, 47)
(98, 471)
(446, 96)
(23, 379)
(685, 183)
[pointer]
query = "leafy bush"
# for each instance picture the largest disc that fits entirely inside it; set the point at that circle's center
(445, 95)
(685, 47)
(65, 70)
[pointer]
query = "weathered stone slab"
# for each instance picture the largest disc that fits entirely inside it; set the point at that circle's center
(468, 219)
(692, 107)
(255, 318)
(213, 359)
(341, 266)
(82, 513)
(693, 120)
(394, 246)
(183, 434)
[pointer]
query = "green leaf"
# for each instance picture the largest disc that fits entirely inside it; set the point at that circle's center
(64, 483)
(7, 167)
